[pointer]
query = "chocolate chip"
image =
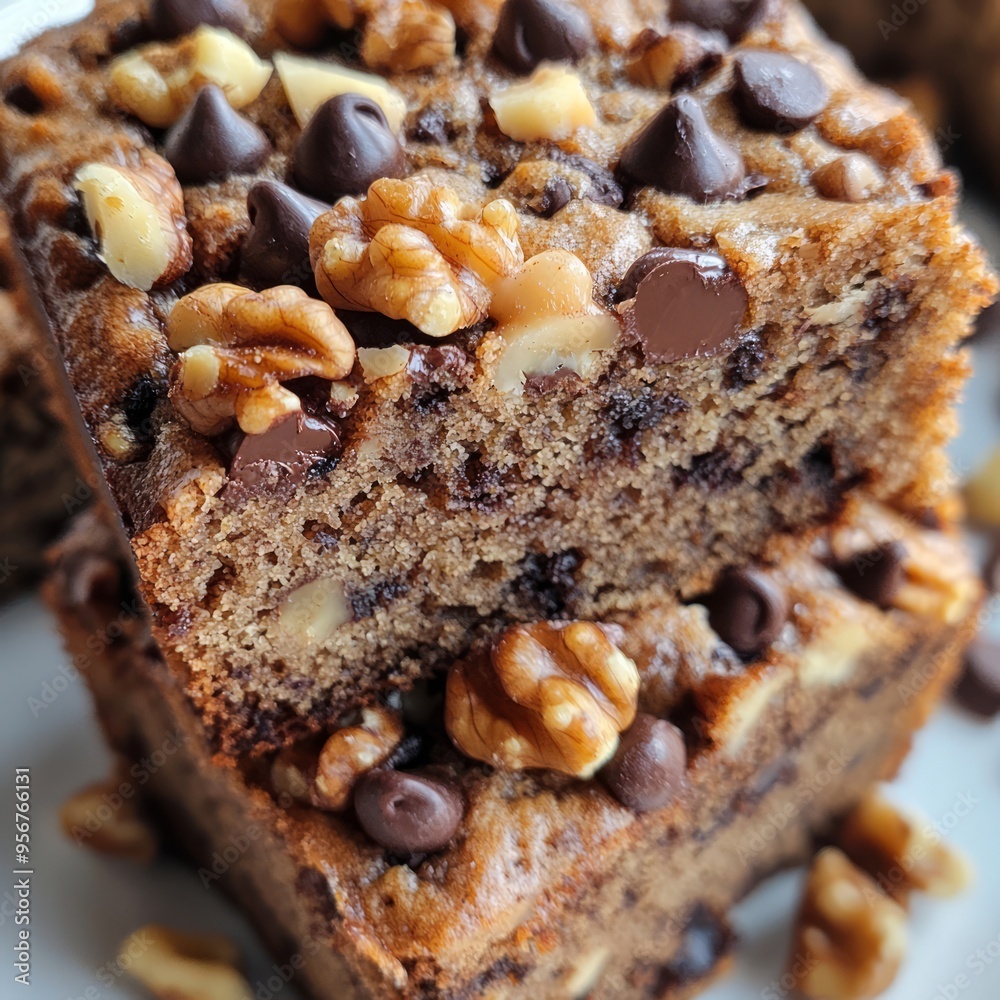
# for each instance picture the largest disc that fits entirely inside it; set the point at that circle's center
(407, 813)
(345, 147)
(212, 140)
(705, 940)
(686, 303)
(276, 250)
(647, 770)
(978, 688)
(289, 449)
(776, 92)
(530, 31)
(555, 195)
(875, 575)
(678, 152)
(747, 609)
(171, 18)
(734, 17)
(22, 97)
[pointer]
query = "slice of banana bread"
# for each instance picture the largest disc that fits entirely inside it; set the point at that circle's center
(434, 876)
(604, 299)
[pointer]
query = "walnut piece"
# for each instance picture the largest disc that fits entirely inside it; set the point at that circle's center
(413, 250)
(661, 61)
(136, 213)
(407, 35)
(326, 781)
(549, 321)
(308, 83)
(310, 614)
(902, 852)
(550, 104)
(102, 819)
(157, 82)
(850, 938)
(174, 965)
(238, 346)
(852, 177)
(552, 695)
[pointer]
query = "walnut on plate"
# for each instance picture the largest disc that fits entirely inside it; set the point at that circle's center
(157, 82)
(327, 780)
(411, 249)
(174, 965)
(136, 213)
(552, 695)
(850, 938)
(237, 347)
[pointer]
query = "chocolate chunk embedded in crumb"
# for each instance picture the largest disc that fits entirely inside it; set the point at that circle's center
(876, 574)
(684, 303)
(678, 152)
(211, 140)
(978, 687)
(172, 18)
(532, 31)
(734, 17)
(777, 92)
(747, 609)
(647, 770)
(408, 813)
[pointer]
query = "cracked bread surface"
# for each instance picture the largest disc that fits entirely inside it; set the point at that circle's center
(456, 508)
(542, 867)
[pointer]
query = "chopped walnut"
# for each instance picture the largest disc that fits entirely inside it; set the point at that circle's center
(852, 177)
(850, 938)
(406, 35)
(174, 965)
(157, 82)
(549, 321)
(102, 819)
(900, 852)
(327, 780)
(552, 695)
(550, 104)
(136, 213)
(413, 250)
(664, 61)
(238, 346)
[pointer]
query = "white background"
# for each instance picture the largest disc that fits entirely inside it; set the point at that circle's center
(84, 905)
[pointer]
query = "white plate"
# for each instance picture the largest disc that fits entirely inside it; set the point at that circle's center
(84, 905)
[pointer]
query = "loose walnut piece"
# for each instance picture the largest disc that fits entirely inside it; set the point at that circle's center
(308, 83)
(849, 938)
(552, 695)
(238, 347)
(326, 781)
(174, 965)
(549, 321)
(136, 213)
(900, 852)
(550, 104)
(851, 177)
(412, 250)
(157, 82)
(102, 819)
(406, 35)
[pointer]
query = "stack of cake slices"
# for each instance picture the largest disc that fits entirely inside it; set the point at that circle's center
(521, 431)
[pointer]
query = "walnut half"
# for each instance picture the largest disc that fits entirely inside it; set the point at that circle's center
(238, 346)
(413, 250)
(552, 695)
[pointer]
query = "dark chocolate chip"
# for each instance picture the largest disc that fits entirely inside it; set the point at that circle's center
(978, 688)
(22, 97)
(555, 195)
(276, 250)
(734, 17)
(747, 609)
(212, 140)
(530, 31)
(171, 18)
(407, 813)
(647, 770)
(875, 575)
(138, 405)
(705, 940)
(346, 145)
(678, 152)
(776, 92)
(686, 303)
(289, 449)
